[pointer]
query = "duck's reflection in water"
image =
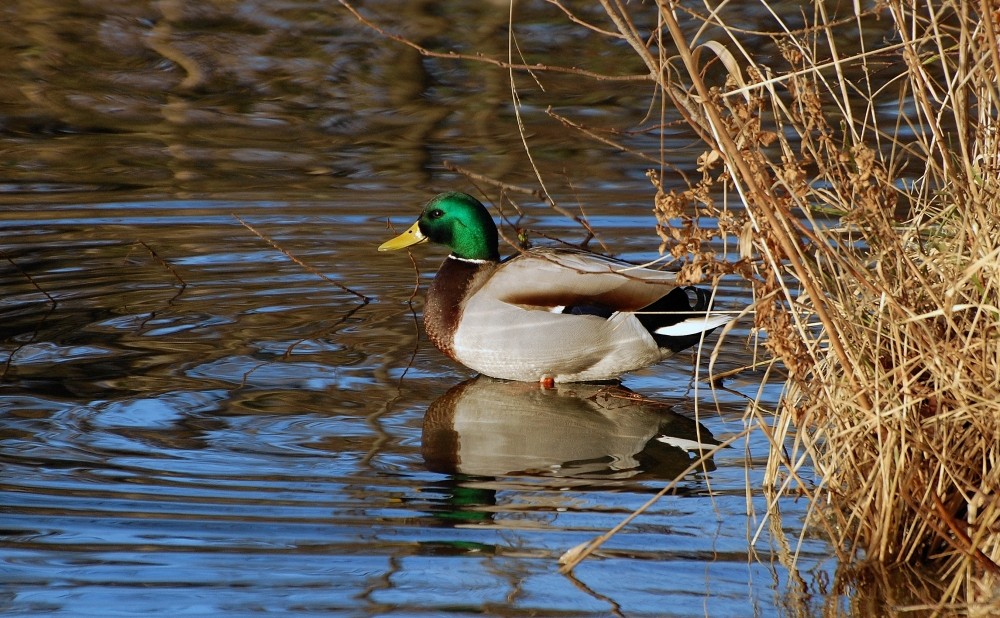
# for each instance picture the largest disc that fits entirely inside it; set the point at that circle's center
(487, 427)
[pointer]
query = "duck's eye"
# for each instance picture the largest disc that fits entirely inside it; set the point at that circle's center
(437, 213)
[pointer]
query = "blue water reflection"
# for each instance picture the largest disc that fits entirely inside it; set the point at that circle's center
(220, 447)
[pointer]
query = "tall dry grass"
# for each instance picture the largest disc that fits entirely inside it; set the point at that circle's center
(877, 246)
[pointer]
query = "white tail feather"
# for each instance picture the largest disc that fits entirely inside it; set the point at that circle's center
(694, 325)
(686, 445)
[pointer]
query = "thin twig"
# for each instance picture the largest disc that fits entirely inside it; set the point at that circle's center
(29, 278)
(604, 140)
(493, 182)
(576, 20)
(287, 254)
(164, 263)
(966, 543)
(571, 558)
(413, 314)
(486, 59)
(45, 316)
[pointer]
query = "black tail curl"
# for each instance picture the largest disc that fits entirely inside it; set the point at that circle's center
(679, 305)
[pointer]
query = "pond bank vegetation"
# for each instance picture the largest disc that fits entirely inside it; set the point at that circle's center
(864, 148)
(878, 273)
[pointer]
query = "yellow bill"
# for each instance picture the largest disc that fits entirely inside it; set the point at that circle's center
(412, 236)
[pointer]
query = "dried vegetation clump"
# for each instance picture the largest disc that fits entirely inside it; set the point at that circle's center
(877, 240)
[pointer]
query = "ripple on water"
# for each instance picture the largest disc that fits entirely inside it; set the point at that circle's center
(48, 352)
(248, 371)
(164, 411)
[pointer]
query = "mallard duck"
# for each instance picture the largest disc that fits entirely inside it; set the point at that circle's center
(547, 315)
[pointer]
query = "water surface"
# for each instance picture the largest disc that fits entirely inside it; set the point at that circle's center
(194, 423)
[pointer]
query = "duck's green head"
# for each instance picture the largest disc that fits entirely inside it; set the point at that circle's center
(456, 220)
